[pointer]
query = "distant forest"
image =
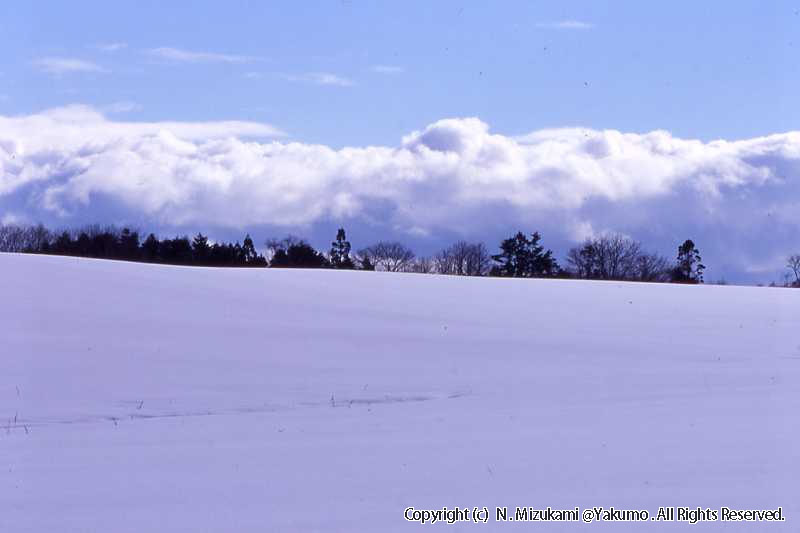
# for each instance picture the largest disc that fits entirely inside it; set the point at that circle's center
(609, 257)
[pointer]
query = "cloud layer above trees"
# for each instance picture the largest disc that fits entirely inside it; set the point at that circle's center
(452, 176)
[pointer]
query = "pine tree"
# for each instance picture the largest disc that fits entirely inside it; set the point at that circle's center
(690, 266)
(249, 250)
(296, 254)
(524, 258)
(340, 252)
(129, 244)
(150, 248)
(201, 251)
(63, 244)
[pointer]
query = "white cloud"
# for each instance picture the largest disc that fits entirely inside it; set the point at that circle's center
(187, 56)
(66, 65)
(736, 198)
(320, 78)
(566, 25)
(388, 69)
(112, 47)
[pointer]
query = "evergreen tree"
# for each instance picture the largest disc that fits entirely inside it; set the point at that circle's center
(177, 251)
(521, 257)
(298, 254)
(63, 244)
(690, 266)
(201, 250)
(238, 254)
(251, 256)
(340, 252)
(249, 250)
(83, 244)
(129, 244)
(103, 245)
(112, 243)
(150, 248)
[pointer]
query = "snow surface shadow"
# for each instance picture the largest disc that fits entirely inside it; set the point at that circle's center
(141, 412)
(388, 399)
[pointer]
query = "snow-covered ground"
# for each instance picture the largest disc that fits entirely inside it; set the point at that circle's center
(142, 398)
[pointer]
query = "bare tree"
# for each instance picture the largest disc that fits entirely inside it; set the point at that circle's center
(606, 257)
(616, 257)
(39, 238)
(464, 259)
(14, 238)
(423, 265)
(652, 267)
(389, 256)
(793, 264)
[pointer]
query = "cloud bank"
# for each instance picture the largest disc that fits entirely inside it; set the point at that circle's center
(740, 200)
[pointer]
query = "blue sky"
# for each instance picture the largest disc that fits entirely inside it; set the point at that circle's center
(680, 66)
(357, 74)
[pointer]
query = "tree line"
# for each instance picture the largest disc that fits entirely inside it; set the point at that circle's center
(612, 257)
(608, 257)
(110, 242)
